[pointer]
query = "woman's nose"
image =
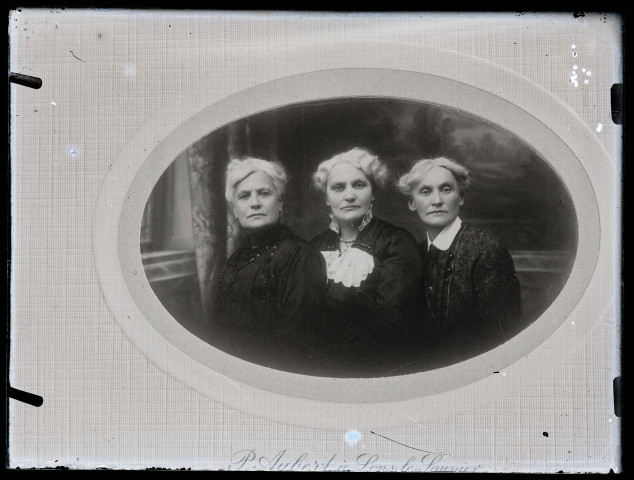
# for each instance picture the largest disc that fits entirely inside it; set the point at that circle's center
(255, 201)
(436, 198)
(349, 194)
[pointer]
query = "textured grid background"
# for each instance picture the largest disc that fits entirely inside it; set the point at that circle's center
(104, 74)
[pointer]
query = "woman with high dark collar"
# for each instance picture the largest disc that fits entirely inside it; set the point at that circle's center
(471, 296)
(270, 291)
(373, 270)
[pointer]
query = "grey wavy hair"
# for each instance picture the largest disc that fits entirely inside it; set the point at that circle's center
(360, 158)
(238, 170)
(421, 168)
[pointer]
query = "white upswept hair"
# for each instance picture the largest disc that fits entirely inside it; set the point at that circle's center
(360, 158)
(238, 170)
(408, 182)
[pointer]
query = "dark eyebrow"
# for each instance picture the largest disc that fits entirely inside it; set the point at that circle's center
(442, 185)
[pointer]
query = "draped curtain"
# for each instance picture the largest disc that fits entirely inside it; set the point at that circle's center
(215, 231)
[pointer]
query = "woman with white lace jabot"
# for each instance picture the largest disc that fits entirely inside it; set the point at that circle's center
(373, 270)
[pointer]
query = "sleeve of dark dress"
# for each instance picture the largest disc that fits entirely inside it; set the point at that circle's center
(301, 297)
(399, 283)
(497, 292)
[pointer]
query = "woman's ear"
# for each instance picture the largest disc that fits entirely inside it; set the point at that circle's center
(461, 200)
(410, 204)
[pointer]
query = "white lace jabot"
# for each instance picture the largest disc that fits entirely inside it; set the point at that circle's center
(349, 268)
(352, 266)
(334, 226)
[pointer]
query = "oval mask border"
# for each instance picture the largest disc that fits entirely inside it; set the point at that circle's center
(321, 85)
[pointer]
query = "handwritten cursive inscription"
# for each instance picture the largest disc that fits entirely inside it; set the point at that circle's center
(365, 462)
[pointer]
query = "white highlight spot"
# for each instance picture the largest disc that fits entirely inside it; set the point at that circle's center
(586, 81)
(53, 103)
(583, 69)
(129, 70)
(588, 73)
(610, 420)
(574, 46)
(352, 437)
(574, 67)
(599, 127)
(504, 374)
(73, 151)
(573, 323)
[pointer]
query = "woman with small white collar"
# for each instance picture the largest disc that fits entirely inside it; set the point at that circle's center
(471, 298)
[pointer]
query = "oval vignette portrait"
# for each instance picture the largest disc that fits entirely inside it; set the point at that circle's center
(358, 237)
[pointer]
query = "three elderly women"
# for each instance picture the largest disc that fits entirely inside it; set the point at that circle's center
(361, 299)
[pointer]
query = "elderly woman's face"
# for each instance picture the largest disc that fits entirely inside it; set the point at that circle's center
(256, 202)
(348, 193)
(436, 198)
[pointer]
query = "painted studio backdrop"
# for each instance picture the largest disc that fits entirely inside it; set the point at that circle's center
(515, 194)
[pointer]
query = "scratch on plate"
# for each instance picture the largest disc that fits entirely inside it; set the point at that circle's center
(413, 448)
(71, 52)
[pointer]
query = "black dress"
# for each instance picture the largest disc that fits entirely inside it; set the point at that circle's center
(473, 302)
(270, 294)
(365, 329)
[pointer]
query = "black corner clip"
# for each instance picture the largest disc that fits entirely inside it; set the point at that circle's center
(26, 80)
(616, 100)
(617, 387)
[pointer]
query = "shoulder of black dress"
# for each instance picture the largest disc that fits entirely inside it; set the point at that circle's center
(387, 229)
(477, 240)
(323, 239)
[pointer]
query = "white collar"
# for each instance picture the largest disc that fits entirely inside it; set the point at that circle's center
(446, 236)
(334, 226)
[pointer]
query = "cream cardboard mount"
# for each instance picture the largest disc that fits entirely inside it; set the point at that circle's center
(283, 67)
